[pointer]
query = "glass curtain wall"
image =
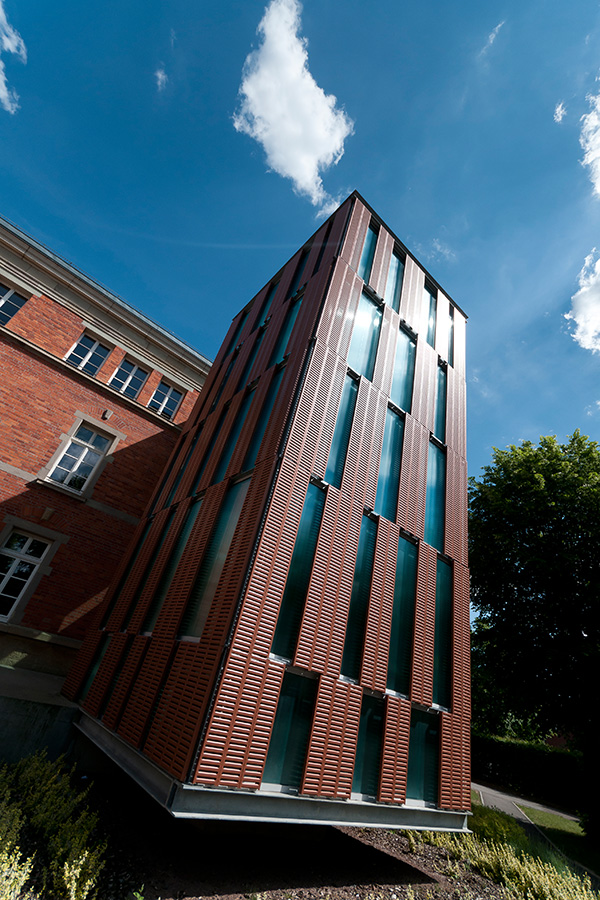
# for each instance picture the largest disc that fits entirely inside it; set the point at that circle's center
(442, 652)
(365, 337)
(403, 619)
(359, 600)
(341, 434)
(291, 731)
(388, 482)
(404, 371)
(367, 766)
(435, 498)
(393, 287)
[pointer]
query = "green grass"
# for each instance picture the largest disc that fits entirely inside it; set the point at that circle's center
(567, 835)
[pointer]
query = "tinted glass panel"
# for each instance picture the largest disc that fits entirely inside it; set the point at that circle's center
(296, 586)
(365, 337)
(341, 434)
(367, 766)
(291, 731)
(393, 288)
(440, 405)
(431, 301)
(359, 600)
(388, 482)
(404, 371)
(435, 500)
(366, 260)
(232, 438)
(403, 619)
(423, 757)
(263, 421)
(213, 563)
(442, 658)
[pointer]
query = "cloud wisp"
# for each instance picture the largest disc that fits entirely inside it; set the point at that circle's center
(590, 141)
(10, 42)
(161, 79)
(585, 305)
(299, 126)
(491, 38)
(560, 112)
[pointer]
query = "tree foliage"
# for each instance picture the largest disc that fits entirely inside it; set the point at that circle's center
(535, 569)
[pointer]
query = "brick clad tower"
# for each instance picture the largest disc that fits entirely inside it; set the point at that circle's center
(287, 637)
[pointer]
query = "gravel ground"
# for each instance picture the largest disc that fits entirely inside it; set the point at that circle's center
(172, 859)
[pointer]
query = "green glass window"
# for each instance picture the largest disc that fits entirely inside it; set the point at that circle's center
(262, 422)
(403, 619)
(442, 651)
(237, 331)
(132, 560)
(171, 567)
(295, 282)
(435, 498)
(291, 731)
(232, 438)
(243, 379)
(209, 450)
(359, 600)
(341, 434)
(184, 464)
(365, 337)
(148, 569)
(388, 482)
(368, 252)
(298, 580)
(423, 757)
(440, 405)
(213, 562)
(404, 371)
(393, 287)
(431, 301)
(285, 333)
(267, 302)
(224, 380)
(451, 337)
(367, 766)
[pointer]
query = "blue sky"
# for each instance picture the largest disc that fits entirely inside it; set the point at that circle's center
(180, 152)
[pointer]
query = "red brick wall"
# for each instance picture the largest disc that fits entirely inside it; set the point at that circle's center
(39, 398)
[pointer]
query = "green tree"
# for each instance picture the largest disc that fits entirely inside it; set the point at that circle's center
(535, 568)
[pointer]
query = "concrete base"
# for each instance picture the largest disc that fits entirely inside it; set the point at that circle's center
(198, 802)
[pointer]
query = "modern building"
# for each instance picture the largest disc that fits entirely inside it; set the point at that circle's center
(92, 398)
(288, 636)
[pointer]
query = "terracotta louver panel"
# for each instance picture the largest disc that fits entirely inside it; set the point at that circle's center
(394, 765)
(413, 478)
(332, 747)
(422, 667)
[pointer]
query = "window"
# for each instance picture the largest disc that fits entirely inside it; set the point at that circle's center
(359, 600)
(291, 731)
(10, 303)
(393, 288)
(285, 332)
(431, 303)
(298, 579)
(403, 618)
(451, 336)
(442, 648)
(423, 757)
(368, 252)
(388, 481)
(404, 371)
(341, 434)
(367, 765)
(441, 390)
(128, 379)
(232, 438)
(80, 459)
(20, 558)
(435, 498)
(365, 337)
(87, 355)
(262, 421)
(165, 400)
(295, 282)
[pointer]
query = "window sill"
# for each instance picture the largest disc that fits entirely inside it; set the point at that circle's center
(76, 495)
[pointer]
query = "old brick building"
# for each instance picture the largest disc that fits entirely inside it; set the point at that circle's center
(92, 398)
(288, 636)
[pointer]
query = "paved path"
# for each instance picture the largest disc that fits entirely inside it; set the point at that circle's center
(510, 804)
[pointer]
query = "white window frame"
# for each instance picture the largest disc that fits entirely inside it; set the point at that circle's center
(82, 419)
(20, 556)
(7, 295)
(80, 366)
(128, 378)
(160, 408)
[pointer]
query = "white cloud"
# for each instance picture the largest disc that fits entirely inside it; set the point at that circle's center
(590, 141)
(585, 305)
(560, 112)
(284, 109)
(161, 79)
(491, 38)
(10, 42)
